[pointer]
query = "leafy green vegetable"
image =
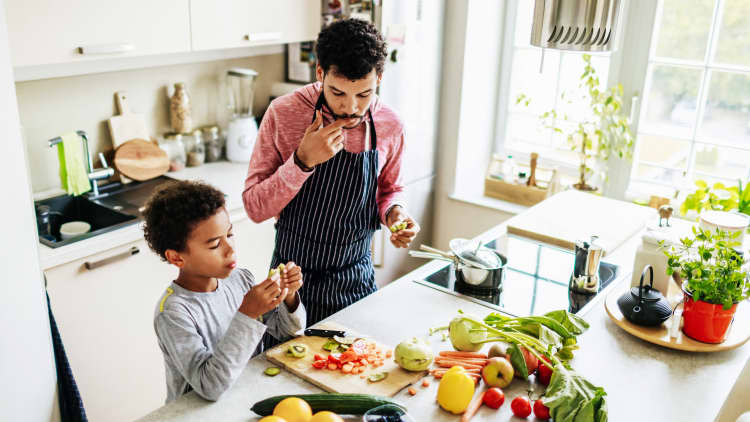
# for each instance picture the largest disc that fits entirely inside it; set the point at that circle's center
(517, 360)
(573, 323)
(572, 398)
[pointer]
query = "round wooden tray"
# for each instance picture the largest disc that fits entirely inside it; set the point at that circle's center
(739, 331)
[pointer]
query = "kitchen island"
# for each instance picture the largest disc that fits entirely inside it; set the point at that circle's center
(644, 382)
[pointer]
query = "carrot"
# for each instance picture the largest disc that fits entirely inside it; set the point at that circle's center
(425, 383)
(464, 360)
(450, 363)
(469, 371)
(474, 406)
(412, 391)
(452, 353)
(363, 376)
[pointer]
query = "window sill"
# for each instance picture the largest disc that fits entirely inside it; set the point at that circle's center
(487, 202)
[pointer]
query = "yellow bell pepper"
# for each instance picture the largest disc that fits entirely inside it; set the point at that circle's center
(455, 390)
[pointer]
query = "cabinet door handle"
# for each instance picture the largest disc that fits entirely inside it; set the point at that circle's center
(263, 36)
(119, 48)
(90, 265)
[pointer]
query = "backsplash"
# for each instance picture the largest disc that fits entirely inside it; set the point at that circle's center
(51, 107)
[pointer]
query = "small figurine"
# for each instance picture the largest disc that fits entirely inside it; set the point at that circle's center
(665, 213)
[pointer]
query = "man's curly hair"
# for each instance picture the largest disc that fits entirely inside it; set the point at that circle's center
(174, 210)
(353, 47)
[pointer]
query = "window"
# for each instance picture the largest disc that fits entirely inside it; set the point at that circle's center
(695, 117)
(520, 131)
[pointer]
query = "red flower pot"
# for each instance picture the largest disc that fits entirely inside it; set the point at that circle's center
(706, 322)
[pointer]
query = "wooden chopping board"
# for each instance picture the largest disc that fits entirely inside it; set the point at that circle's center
(127, 125)
(573, 215)
(141, 160)
(336, 381)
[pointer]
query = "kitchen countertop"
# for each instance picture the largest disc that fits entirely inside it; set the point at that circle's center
(226, 176)
(643, 381)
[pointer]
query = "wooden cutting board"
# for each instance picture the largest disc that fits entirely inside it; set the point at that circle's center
(127, 125)
(573, 215)
(141, 160)
(336, 381)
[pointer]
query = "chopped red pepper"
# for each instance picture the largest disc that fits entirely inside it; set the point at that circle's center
(335, 358)
(319, 364)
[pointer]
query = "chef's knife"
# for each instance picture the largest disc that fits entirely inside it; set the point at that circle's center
(315, 332)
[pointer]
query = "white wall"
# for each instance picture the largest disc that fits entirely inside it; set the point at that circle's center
(51, 107)
(27, 390)
(471, 70)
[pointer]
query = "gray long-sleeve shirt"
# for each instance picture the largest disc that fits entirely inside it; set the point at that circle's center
(206, 342)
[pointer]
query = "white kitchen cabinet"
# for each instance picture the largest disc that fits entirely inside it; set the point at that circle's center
(51, 32)
(105, 318)
(218, 24)
(254, 245)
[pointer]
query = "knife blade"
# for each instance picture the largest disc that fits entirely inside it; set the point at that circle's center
(316, 332)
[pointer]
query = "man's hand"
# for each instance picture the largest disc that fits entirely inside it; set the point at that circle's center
(262, 298)
(291, 280)
(401, 238)
(320, 143)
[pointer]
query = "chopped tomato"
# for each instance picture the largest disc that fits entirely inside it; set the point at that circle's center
(348, 356)
(334, 358)
(319, 364)
(319, 357)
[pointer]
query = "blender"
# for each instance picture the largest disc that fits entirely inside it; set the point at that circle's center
(242, 129)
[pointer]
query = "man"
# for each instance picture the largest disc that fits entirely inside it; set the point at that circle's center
(333, 182)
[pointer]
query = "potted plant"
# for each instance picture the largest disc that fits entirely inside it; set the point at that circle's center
(717, 197)
(713, 282)
(596, 138)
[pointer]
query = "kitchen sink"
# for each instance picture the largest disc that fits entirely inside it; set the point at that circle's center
(117, 205)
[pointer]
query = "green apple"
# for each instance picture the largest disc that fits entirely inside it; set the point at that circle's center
(498, 372)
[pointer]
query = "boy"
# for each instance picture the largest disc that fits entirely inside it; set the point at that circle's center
(208, 322)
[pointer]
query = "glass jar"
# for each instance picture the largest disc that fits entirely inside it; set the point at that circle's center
(197, 150)
(174, 147)
(214, 144)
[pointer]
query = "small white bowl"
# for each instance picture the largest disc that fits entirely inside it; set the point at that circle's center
(725, 221)
(73, 229)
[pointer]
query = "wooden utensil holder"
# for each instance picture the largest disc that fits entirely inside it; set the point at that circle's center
(517, 193)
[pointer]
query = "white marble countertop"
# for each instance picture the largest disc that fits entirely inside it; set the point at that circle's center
(643, 381)
(227, 177)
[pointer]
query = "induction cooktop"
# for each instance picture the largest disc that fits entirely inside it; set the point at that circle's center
(535, 282)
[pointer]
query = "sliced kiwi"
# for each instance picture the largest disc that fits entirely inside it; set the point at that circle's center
(297, 350)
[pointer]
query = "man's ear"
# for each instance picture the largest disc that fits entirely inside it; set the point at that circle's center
(380, 77)
(319, 73)
(174, 258)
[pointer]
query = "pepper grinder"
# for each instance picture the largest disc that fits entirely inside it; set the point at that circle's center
(532, 176)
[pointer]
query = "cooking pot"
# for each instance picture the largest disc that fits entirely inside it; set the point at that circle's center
(469, 271)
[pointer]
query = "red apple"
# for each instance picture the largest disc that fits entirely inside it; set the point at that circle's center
(498, 372)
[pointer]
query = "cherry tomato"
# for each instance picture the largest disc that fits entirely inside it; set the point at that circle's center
(494, 398)
(334, 358)
(521, 407)
(540, 410)
(319, 364)
(544, 373)
(319, 357)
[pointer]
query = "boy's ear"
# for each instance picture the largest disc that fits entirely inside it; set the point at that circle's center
(174, 258)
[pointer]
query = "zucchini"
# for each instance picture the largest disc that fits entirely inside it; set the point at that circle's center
(342, 404)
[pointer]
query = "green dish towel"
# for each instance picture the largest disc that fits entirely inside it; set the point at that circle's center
(73, 172)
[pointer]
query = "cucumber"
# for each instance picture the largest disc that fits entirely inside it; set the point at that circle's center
(342, 404)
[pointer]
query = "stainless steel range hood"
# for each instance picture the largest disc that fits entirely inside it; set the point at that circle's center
(580, 25)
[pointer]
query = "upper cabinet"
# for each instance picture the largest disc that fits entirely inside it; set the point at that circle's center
(52, 32)
(218, 24)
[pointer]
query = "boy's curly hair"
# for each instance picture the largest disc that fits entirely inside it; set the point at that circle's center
(353, 46)
(174, 210)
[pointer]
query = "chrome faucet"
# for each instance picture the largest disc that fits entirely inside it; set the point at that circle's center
(93, 175)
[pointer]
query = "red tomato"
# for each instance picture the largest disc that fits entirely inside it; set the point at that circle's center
(544, 373)
(320, 364)
(319, 357)
(521, 407)
(494, 398)
(334, 358)
(540, 410)
(349, 356)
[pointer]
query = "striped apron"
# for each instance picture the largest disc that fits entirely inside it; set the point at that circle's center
(327, 230)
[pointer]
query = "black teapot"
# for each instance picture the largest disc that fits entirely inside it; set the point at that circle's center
(645, 305)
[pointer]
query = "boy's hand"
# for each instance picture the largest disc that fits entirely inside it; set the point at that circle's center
(291, 279)
(262, 298)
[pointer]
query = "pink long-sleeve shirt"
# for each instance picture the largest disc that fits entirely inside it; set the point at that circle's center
(273, 179)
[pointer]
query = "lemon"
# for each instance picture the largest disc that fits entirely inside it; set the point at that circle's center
(272, 419)
(293, 409)
(326, 416)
